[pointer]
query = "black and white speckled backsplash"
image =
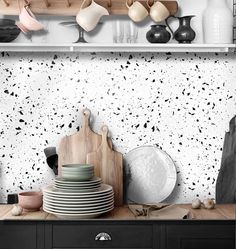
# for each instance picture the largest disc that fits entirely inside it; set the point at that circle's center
(182, 103)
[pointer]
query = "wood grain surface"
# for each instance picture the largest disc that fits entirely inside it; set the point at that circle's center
(74, 148)
(109, 166)
(221, 212)
(71, 7)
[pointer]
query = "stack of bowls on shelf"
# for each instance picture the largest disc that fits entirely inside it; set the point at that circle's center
(78, 194)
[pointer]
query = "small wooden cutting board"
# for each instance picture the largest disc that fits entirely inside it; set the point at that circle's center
(109, 166)
(74, 148)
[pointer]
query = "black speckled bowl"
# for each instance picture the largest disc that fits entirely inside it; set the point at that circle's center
(8, 30)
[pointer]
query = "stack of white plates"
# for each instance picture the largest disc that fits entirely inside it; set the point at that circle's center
(78, 186)
(77, 205)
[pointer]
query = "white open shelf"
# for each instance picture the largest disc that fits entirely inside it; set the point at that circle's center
(102, 47)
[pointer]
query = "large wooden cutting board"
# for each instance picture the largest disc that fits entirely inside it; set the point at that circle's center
(74, 148)
(109, 166)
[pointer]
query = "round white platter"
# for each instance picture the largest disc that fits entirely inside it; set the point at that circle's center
(150, 175)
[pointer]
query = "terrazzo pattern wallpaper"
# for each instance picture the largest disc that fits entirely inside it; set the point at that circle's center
(181, 103)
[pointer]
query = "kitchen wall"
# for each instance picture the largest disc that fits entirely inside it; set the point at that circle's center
(181, 103)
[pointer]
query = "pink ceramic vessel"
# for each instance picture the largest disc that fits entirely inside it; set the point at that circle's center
(28, 21)
(30, 201)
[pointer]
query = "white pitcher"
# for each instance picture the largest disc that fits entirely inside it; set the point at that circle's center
(88, 17)
(218, 22)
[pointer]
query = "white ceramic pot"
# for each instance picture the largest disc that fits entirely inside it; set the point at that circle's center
(218, 22)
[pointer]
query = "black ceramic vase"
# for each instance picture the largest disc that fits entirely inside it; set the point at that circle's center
(158, 34)
(185, 33)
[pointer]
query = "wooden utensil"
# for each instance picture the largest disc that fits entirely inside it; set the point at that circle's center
(74, 148)
(109, 166)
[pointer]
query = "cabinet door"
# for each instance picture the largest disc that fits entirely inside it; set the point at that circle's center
(16, 236)
(202, 236)
(102, 236)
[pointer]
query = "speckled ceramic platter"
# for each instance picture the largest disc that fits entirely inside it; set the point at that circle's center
(150, 175)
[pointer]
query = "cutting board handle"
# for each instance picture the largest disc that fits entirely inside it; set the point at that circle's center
(104, 131)
(86, 113)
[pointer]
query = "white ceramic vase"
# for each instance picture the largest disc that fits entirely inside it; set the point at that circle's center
(218, 22)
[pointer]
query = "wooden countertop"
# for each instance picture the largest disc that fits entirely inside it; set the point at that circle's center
(221, 212)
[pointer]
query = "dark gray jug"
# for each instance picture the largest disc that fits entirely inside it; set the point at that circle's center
(185, 33)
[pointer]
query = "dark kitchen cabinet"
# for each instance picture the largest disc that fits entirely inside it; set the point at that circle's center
(118, 234)
(204, 236)
(18, 236)
(102, 236)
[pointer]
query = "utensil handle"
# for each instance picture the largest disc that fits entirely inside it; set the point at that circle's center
(167, 24)
(103, 237)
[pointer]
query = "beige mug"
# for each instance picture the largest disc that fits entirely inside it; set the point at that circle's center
(136, 11)
(158, 11)
(89, 16)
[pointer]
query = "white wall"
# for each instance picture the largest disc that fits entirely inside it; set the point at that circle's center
(187, 98)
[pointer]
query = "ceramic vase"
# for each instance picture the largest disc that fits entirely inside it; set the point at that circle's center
(184, 33)
(158, 34)
(218, 22)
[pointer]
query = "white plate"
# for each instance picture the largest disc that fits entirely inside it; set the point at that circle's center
(77, 212)
(77, 200)
(93, 180)
(150, 175)
(78, 216)
(78, 186)
(102, 190)
(83, 208)
(79, 203)
(84, 190)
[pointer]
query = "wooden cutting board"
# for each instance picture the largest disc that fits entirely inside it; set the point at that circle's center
(225, 185)
(109, 166)
(74, 148)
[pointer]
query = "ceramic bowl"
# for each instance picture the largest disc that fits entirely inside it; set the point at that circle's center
(8, 30)
(77, 176)
(77, 172)
(77, 167)
(30, 201)
(7, 22)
